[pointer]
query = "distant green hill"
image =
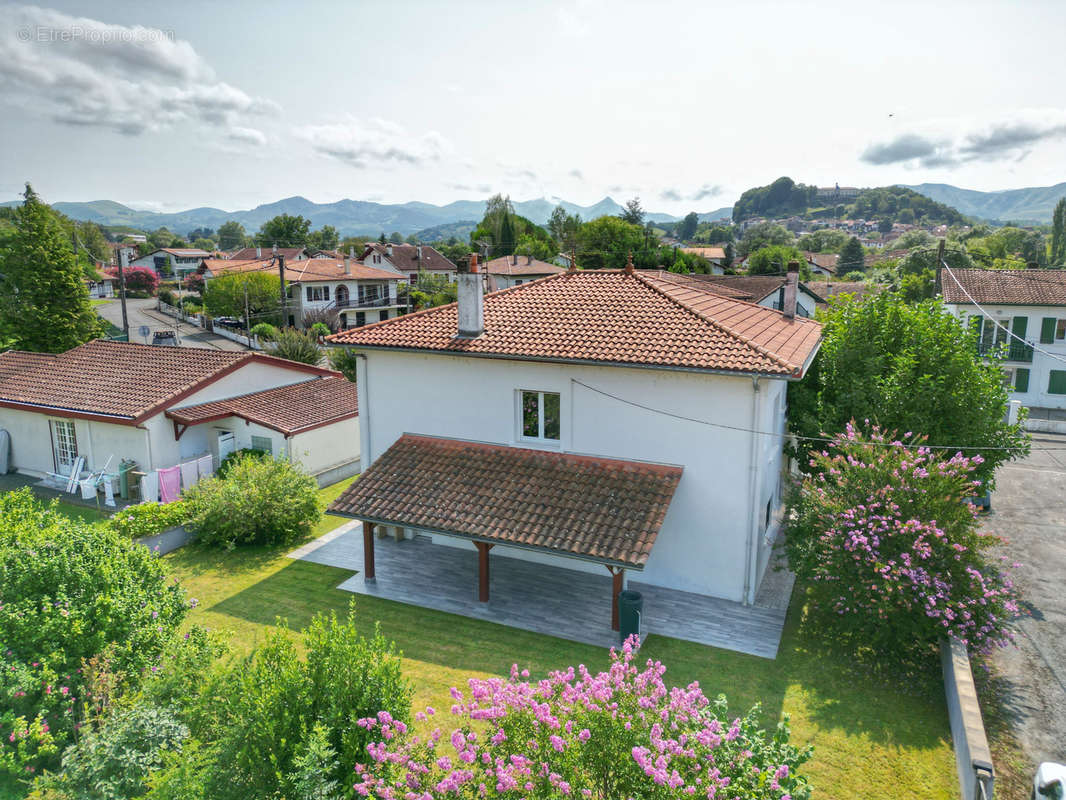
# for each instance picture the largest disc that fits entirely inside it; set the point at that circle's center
(442, 233)
(1032, 205)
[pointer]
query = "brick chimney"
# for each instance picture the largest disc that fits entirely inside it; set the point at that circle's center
(514, 259)
(788, 307)
(629, 263)
(529, 260)
(471, 300)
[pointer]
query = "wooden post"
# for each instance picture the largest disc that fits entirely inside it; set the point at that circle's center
(616, 588)
(368, 551)
(483, 570)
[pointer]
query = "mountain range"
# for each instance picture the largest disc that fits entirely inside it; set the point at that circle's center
(349, 217)
(1030, 205)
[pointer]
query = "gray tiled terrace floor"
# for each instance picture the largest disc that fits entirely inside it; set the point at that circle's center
(559, 602)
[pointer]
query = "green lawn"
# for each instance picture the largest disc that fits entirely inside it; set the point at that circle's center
(872, 738)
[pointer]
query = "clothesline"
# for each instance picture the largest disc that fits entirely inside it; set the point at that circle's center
(166, 484)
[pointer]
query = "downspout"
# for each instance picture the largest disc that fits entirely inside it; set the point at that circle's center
(750, 562)
(362, 368)
(148, 444)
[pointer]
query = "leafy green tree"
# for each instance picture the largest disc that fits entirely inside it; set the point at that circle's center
(824, 240)
(284, 230)
(325, 238)
(540, 249)
(295, 345)
(44, 303)
(505, 245)
(1058, 234)
(231, 235)
(91, 238)
(605, 243)
(885, 225)
(396, 237)
(224, 296)
(345, 361)
(852, 256)
(633, 213)
(763, 234)
(204, 244)
(159, 238)
(773, 260)
(910, 368)
(687, 228)
(905, 216)
(564, 227)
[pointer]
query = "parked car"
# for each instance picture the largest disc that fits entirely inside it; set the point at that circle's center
(1049, 782)
(165, 339)
(230, 322)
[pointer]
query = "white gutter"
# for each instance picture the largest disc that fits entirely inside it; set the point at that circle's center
(751, 562)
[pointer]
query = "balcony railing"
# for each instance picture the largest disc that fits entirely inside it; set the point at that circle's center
(1015, 351)
(369, 302)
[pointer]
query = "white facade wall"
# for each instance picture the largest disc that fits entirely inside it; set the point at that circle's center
(804, 300)
(31, 442)
(301, 305)
(328, 447)
(704, 543)
(1042, 365)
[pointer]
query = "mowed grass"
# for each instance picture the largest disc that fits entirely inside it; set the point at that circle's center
(872, 737)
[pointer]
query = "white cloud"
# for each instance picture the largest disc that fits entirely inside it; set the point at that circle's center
(362, 144)
(243, 135)
(950, 143)
(131, 79)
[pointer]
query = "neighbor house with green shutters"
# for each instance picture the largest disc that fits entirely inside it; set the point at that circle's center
(1031, 305)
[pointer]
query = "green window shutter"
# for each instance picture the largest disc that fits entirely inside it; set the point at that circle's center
(1021, 380)
(1057, 382)
(1047, 330)
(1018, 326)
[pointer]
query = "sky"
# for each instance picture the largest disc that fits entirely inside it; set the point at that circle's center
(167, 106)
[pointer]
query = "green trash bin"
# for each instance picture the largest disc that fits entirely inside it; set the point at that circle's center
(630, 608)
(124, 470)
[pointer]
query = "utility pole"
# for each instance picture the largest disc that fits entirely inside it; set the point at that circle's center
(284, 296)
(122, 291)
(247, 317)
(939, 265)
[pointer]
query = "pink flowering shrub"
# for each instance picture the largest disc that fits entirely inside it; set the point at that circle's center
(142, 280)
(618, 734)
(884, 535)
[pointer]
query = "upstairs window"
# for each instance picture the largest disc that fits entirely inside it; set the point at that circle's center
(539, 416)
(317, 293)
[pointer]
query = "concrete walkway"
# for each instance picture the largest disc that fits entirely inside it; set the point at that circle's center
(545, 599)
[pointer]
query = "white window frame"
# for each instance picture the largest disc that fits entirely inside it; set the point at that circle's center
(540, 439)
(64, 438)
(317, 294)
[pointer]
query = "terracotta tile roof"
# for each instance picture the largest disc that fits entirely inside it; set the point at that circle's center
(227, 266)
(187, 252)
(405, 257)
(710, 253)
(526, 266)
(253, 253)
(1014, 287)
(827, 261)
(288, 409)
(15, 361)
(328, 269)
(826, 289)
(609, 316)
(599, 508)
(741, 287)
(124, 380)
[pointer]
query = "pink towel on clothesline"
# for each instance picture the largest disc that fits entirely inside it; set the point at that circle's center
(169, 484)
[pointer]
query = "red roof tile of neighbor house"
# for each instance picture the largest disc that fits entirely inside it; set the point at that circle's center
(827, 289)
(741, 287)
(710, 253)
(327, 269)
(1013, 287)
(827, 261)
(15, 361)
(405, 257)
(527, 265)
(256, 253)
(123, 381)
(228, 266)
(288, 409)
(598, 508)
(184, 252)
(610, 316)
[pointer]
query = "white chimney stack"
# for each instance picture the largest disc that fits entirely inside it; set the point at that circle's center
(388, 250)
(791, 286)
(471, 301)
(348, 265)
(259, 252)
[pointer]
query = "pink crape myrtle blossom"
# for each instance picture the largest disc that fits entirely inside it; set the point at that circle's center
(891, 547)
(616, 734)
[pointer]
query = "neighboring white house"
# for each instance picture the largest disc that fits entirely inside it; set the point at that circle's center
(1031, 304)
(101, 285)
(108, 401)
(408, 260)
(663, 400)
(169, 261)
(765, 290)
(514, 270)
(822, 264)
(359, 294)
(715, 255)
(258, 253)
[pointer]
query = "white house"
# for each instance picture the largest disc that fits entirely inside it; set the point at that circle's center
(594, 419)
(169, 261)
(408, 260)
(514, 270)
(106, 402)
(358, 293)
(1031, 304)
(715, 255)
(822, 264)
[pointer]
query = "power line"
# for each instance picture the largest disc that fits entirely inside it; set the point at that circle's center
(786, 435)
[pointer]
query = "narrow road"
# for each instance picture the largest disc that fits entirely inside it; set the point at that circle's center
(143, 314)
(1029, 511)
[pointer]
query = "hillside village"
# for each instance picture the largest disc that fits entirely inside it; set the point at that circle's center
(480, 418)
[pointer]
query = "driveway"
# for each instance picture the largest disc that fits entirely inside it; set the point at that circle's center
(143, 313)
(1029, 511)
